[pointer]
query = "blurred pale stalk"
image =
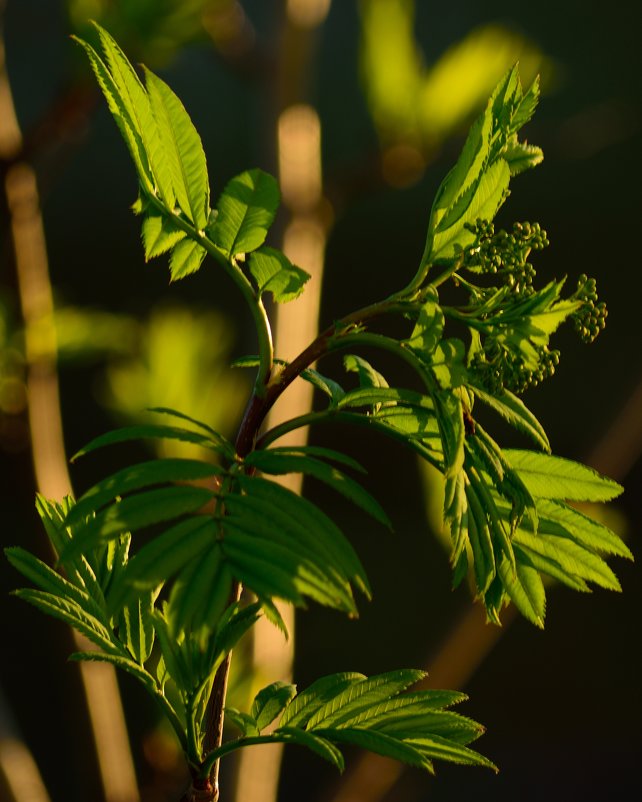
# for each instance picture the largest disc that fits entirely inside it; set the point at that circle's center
(304, 240)
(47, 445)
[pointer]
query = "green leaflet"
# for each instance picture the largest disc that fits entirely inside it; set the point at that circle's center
(120, 661)
(438, 748)
(186, 258)
(139, 628)
(245, 723)
(573, 560)
(482, 201)
(526, 589)
(339, 710)
(159, 235)
(270, 702)
(272, 462)
(163, 557)
(149, 431)
(368, 376)
(135, 99)
(136, 512)
(273, 272)
(447, 363)
(547, 476)
(173, 659)
(429, 326)
(389, 397)
(513, 410)
(73, 614)
(182, 151)
(521, 156)
(329, 454)
(136, 477)
(583, 530)
(274, 569)
(321, 746)
(380, 743)
(246, 210)
(315, 696)
(121, 115)
(200, 592)
(307, 521)
(51, 582)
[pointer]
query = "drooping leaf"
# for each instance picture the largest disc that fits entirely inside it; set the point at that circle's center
(547, 476)
(428, 329)
(246, 210)
(273, 272)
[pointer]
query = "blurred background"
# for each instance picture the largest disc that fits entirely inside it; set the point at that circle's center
(360, 108)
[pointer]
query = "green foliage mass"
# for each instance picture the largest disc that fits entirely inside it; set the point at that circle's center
(171, 611)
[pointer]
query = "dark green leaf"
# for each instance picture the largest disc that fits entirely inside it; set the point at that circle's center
(144, 432)
(139, 628)
(438, 748)
(136, 477)
(305, 704)
(321, 746)
(245, 723)
(339, 710)
(72, 614)
(135, 512)
(368, 376)
(270, 702)
(380, 743)
(275, 462)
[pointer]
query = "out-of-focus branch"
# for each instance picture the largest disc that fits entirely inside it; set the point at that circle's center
(304, 238)
(45, 420)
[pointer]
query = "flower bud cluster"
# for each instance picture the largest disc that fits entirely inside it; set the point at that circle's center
(505, 253)
(500, 369)
(590, 319)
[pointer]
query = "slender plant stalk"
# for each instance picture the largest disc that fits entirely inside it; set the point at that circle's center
(45, 420)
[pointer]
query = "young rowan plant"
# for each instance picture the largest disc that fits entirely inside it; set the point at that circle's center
(227, 540)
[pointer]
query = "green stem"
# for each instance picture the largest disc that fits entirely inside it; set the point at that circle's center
(254, 302)
(239, 743)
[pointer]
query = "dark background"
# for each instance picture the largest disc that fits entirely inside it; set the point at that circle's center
(562, 706)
